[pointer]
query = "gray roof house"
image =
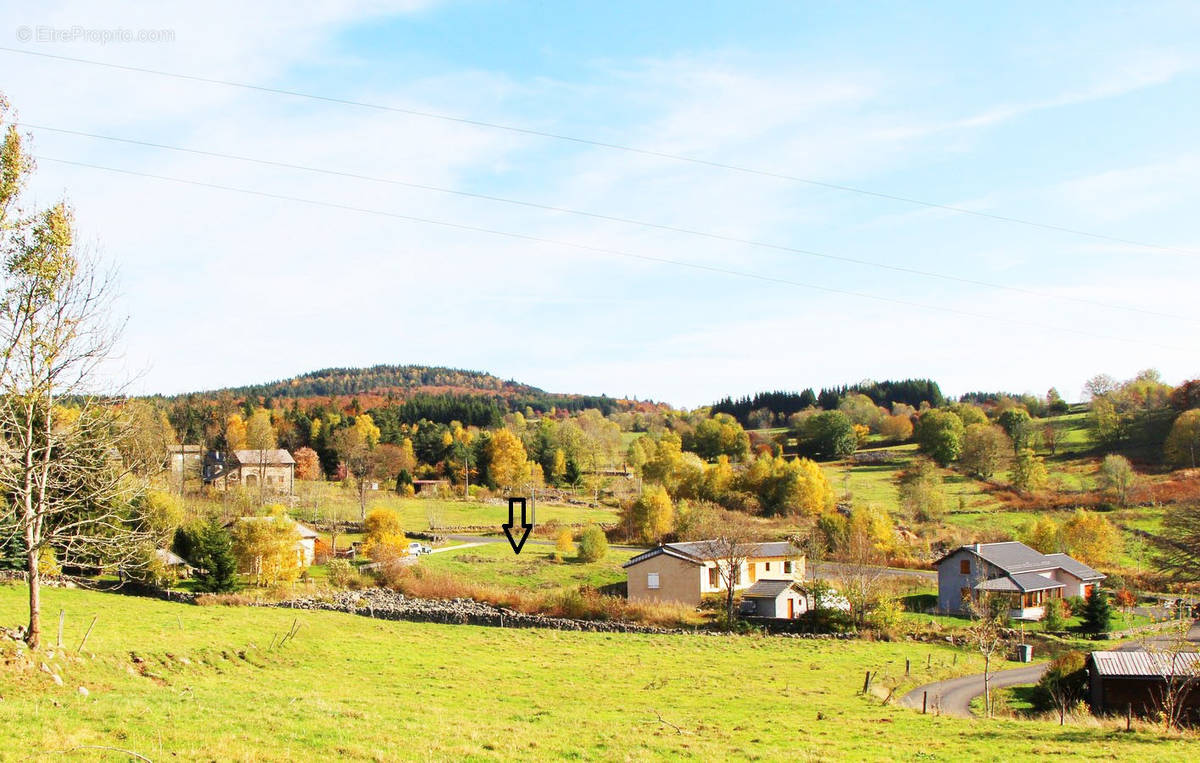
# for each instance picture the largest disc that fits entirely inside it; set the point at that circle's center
(1027, 578)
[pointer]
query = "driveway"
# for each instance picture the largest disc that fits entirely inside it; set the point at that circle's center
(955, 695)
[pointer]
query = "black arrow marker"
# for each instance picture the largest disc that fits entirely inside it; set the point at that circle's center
(508, 526)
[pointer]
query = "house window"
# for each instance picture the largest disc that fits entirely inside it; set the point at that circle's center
(787, 567)
(737, 576)
(964, 567)
(964, 594)
(652, 580)
(767, 566)
(712, 577)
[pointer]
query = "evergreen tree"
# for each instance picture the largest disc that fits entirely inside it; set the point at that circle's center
(1097, 614)
(213, 556)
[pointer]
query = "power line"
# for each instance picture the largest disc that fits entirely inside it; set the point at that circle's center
(613, 147)
(604, 250)
(617, 219)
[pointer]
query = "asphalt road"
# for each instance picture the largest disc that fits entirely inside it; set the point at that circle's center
(956, 694)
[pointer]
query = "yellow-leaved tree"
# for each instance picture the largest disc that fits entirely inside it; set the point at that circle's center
(507, 462)
(267, 548)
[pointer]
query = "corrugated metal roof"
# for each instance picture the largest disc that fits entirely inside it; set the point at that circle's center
(1141, 664)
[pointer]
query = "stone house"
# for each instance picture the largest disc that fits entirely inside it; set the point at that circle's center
(274, 467)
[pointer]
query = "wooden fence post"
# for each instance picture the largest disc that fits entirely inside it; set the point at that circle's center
(867, 682)
(89, 632)
(907, 666)
(1129, 716)
(924, 702)
(62, 614)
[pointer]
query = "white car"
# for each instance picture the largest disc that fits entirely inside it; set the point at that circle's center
(416, 549)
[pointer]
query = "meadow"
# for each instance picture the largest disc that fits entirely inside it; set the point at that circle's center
(535, 567)
(186, 682)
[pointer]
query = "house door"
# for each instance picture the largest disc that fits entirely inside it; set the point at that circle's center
(791, 608)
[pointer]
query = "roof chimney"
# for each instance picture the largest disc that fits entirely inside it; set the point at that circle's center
(977, 548)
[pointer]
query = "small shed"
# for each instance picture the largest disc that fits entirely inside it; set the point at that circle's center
(1137, 679)
(779, 599)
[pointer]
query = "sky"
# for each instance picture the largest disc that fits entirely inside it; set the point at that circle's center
(1080, 117)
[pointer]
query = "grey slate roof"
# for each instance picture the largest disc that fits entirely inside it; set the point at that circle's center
(273, 457)
(767, 589)
(1075, 567)
(1022, 582)
(1012, 556)
(699, 551)
(1141, 664)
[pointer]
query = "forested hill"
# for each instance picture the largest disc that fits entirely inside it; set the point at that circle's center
(776, 406)
(382, 379)
(410, 392)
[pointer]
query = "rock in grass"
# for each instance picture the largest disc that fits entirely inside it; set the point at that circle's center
(83, 691)
(57, 679)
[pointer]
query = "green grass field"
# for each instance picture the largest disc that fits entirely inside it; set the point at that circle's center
(326, 500)
(535, 568)
(172, 681)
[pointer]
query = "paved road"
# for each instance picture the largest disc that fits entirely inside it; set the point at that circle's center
(956, 694)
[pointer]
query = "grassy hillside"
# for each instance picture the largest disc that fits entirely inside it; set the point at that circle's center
(534, 568)
(172, 681)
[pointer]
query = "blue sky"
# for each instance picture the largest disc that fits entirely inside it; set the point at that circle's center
(1079, 115)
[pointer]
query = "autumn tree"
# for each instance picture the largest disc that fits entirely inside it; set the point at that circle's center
(1182, 447)
(266, 548)
(796, 487)
(150, 437)
(355, 446)
(921, 491)
(1018, 425)
(62, 492)
(308, 464)
(1117, 476)
(593, 544)
(235, 432)
(1042, 534)
(261, 439)
(1028, 473)
(728, 538)
(721, 435)
(986, 633)
(1064, 682)
(651, 516)
(1091, 538)
(939, 434)
(384, 539)
(898, 428)
(985, 450)
(507, 463)
(869, 537)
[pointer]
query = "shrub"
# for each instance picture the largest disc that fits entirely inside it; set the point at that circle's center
(340, 573)
(564, 544)
(593, 545)
(885, 616)
(1054, 619)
